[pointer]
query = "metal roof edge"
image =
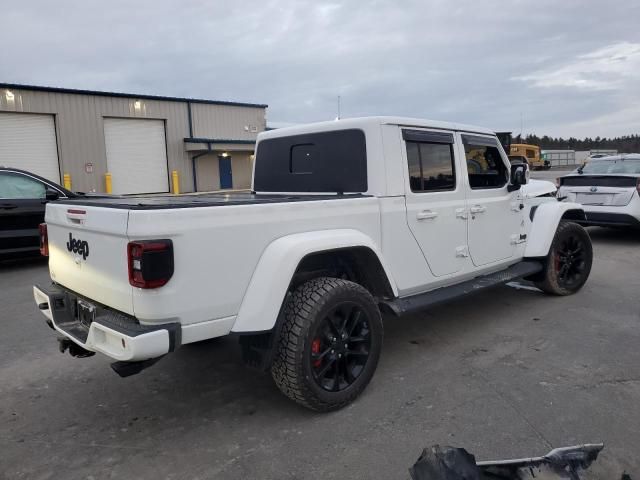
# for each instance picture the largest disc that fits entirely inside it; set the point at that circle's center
(18, 86)
(217, 140)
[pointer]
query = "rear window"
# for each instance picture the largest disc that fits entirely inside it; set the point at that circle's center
(319, 162)
(612, 166)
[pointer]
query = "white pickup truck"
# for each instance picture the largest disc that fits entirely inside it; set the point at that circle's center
(347, 220)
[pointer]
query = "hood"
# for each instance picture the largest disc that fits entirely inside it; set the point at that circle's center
(538, 188)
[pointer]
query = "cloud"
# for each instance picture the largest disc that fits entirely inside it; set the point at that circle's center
(607, 68)
(576, 61)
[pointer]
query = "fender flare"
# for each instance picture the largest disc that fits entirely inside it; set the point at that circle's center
(271, 278)
(545, 223)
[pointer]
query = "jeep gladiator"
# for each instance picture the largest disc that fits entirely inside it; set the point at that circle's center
(346, 221)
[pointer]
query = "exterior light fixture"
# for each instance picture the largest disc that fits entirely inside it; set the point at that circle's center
(9, 95)
(225, 154)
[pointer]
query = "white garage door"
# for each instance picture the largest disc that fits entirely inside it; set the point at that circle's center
(136, 155)
(28, 141)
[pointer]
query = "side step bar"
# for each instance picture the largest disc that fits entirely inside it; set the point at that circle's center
(404, 305)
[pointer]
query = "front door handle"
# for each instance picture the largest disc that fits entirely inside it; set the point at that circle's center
(477, 209)
(426, 215)
(8, 206)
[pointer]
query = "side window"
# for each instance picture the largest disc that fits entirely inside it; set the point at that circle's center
(431, 166)
(332, 161)
(16, 186)
(484, 163)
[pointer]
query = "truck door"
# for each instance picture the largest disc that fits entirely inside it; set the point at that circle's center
(435, 199)
(494, 212)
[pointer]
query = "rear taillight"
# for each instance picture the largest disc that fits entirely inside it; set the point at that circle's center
(150, 263)
(44, 240)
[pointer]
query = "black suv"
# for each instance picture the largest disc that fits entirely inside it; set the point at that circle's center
(23, 196)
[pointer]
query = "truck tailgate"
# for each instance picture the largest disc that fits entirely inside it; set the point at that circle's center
(88, 252)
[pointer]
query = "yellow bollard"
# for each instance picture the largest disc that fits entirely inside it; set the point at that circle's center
(67, 181)
(107, 182)
(175, 180)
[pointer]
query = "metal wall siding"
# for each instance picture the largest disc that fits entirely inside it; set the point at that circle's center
(227, 122)
(80, 128)
(80, 131)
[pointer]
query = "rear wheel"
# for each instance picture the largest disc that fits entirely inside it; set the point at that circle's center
(568, 263)
(330, 343)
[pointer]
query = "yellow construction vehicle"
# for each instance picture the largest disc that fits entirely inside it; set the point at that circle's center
(530, 154)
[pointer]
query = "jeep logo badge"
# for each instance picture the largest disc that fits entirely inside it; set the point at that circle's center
(81, 247)
(594, 189)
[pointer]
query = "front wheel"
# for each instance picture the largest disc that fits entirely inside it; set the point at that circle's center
(329, 345)
(568, 263)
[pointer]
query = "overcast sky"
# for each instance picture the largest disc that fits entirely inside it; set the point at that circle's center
(565, 67)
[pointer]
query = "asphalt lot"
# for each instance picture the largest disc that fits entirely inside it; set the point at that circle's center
(550, 175)
(509, 373)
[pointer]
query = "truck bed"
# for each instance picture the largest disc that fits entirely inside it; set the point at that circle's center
(160, 202)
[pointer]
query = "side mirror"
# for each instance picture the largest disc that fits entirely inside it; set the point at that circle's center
(51, 194)
(519, 176)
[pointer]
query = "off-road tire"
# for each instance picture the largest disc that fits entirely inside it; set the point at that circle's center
(550, 279)
(304, 308)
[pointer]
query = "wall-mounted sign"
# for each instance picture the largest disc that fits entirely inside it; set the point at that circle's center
(88, 167)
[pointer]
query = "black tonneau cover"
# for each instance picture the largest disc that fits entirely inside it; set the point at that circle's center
(160, 202)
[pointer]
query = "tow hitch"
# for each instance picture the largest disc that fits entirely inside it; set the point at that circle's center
(75, 350)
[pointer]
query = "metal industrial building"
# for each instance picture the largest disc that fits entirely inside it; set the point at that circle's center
(101, 141)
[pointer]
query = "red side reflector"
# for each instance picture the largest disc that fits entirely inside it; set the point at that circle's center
(150, 263)
(44, 239)
(75, 211)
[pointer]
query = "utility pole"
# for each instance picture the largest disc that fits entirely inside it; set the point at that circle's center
(338, 107)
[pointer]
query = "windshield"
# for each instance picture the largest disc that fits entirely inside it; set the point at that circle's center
(612, 166)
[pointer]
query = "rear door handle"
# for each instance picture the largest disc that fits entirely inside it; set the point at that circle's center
(8, 206)
(426, 215)
(477, 209)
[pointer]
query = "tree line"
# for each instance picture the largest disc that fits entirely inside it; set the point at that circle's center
(624, 144)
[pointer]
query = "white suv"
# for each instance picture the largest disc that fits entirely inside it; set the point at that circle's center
(608, 189)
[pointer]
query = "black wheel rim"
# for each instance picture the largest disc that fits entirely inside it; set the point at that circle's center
(570, 261)
(340, 347)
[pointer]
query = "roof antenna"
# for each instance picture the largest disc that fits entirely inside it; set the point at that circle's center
(338, 117)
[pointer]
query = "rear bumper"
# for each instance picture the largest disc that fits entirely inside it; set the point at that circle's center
(606, 219)
(112, 333)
